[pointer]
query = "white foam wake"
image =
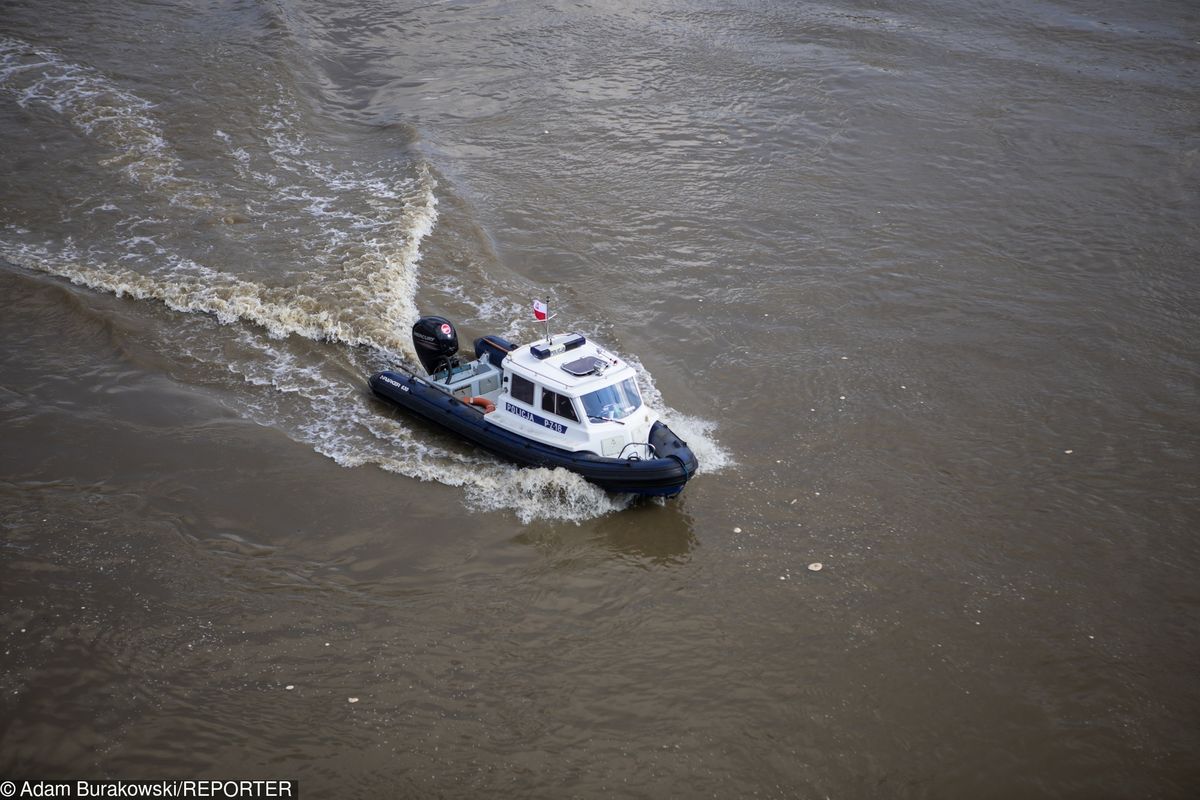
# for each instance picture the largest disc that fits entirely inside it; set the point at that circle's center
(372, 292)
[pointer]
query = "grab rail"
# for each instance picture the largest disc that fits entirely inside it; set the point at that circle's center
(650, 451)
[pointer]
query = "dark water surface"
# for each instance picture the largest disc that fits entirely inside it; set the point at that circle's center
(918, 281)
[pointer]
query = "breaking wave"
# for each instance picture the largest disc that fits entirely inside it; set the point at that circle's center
(365, 245)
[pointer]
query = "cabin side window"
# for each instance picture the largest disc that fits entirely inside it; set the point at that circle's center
(522, 389)
(566, 409)
(558, 404)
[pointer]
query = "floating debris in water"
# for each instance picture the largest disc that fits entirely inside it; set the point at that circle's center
(737, 530)
(816, 566)
(352, 699)
(1068, 452)
(290, 686)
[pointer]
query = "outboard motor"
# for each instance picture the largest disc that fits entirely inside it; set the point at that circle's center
(436, 343)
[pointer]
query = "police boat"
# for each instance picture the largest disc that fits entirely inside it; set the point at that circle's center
(562, 401)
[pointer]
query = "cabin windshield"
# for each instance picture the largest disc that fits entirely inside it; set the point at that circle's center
(613, 402)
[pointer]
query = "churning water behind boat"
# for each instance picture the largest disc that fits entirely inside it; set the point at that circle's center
(283, 234)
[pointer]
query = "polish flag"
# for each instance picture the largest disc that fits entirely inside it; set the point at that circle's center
(539, 310)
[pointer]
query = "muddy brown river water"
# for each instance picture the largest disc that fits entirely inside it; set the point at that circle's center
(917, 281)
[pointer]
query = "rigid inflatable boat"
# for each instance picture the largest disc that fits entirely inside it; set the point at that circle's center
(562, 401)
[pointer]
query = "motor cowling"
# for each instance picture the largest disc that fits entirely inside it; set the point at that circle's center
(436, 343)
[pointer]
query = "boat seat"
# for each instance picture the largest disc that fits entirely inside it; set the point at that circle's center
(494, 347)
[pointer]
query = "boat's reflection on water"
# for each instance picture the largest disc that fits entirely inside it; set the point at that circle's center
(649, 533)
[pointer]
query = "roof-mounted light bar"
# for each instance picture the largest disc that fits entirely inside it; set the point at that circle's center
(568, 342)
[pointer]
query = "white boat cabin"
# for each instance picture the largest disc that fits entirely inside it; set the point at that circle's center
(566, 392)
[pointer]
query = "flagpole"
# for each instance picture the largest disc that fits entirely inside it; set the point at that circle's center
(549, 316)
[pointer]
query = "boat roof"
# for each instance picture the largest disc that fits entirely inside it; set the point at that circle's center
(558, 370)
